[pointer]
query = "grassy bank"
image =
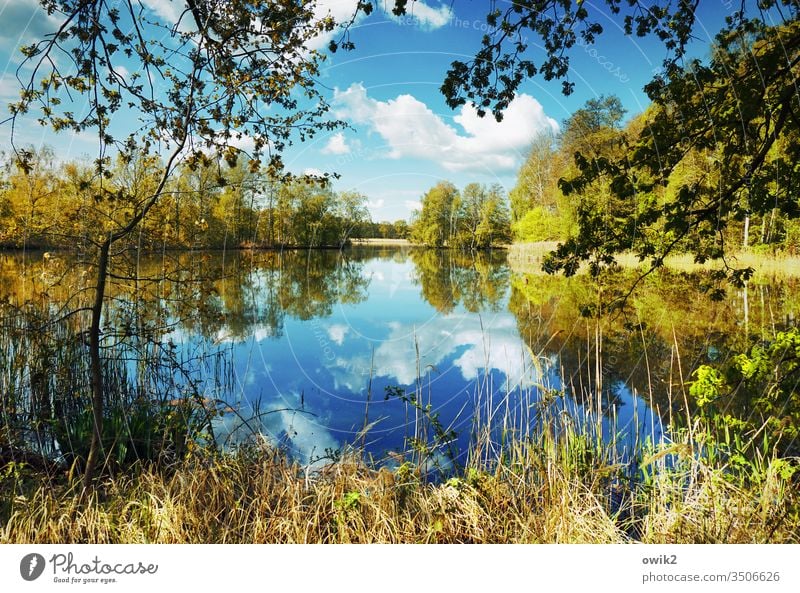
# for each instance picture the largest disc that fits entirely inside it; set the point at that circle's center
(382, 242)
(559, 485)
(528, 258)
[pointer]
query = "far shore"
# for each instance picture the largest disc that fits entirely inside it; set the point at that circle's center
(527, 258)
(381, 241)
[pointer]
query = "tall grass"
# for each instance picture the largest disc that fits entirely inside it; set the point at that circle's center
(536, 495)
(543, 464)
(155, 410)
(562, 478)
(528, 258)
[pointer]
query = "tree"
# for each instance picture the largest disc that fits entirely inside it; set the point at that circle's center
(351, 210)
(400, 229)
(739, 114)
(739, 108)
(473, 202)
(311, 225)
(30, 198)
(435, 224)
(492, 77)
(494, 227)
(476, 218)
(191, 91)
(593, 128)
(484, 216)
(537, 181)
(541, 211)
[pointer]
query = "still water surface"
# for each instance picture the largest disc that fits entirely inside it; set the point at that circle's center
(317, 341)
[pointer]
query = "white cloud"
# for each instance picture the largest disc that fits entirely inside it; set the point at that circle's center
(342, 12)
(413, 205)
(376, 204)
(168, 10)
(337, 333)
(313, 172)
(9, 88)
(485, 344)
(337, 144)
(257, 332)
(282, 423)
(422, 15)
(122, 71)
(171, 12)
(412, 129)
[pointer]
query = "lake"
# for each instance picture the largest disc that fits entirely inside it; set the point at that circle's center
(393, 349)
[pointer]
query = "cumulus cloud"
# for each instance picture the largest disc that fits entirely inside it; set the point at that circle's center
(411, 129)
(337, 144)
(341, 11)
(482, 344)
(413, 205)
(313, 172)
(495, 345)
(281, 423)
(258, 333)
(420, 14)
(337, 333)
(423, 15)
(169, 11)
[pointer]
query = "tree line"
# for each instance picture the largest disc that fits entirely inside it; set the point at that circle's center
(45, 203)
(708, 168)
(555, 200)
(209, 204)
(475, 218)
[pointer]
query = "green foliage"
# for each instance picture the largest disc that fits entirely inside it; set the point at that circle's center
(433, 437)
(538, 225)
(204, 205)
(349, 501)
(435, 223)
(476, 218)
(707, 384)
(448, 278)
(384, 229)
(711, 161)
(756, 392)
(541, 210)
(492, 78)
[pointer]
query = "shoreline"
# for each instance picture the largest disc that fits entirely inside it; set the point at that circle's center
(527, 258)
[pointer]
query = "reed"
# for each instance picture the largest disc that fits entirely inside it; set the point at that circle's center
(561, 479)
(543, 465)
(527, 258)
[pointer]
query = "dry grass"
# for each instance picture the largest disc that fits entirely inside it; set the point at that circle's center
(536, 495)
(528, 257)
(382, 241)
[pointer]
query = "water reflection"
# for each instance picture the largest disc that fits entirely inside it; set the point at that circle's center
(334, 369)
(319, 338)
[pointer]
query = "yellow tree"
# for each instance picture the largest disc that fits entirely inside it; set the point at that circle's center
(222, 75)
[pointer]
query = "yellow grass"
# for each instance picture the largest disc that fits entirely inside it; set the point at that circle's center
(535, 497)
(379, 241)
(528, 257)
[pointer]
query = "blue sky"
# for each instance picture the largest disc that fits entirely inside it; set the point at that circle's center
(404, 138)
